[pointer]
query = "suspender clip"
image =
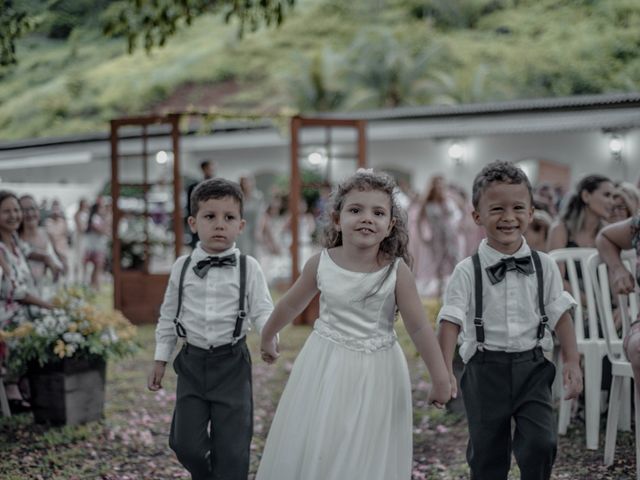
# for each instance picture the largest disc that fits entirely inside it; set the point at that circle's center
(479, 324)
(541, 326)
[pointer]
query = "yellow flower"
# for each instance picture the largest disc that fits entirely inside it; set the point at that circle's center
(60, 349)
(23, 330)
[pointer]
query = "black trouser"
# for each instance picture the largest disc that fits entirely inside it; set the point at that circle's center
(213, 418)
(498, 387)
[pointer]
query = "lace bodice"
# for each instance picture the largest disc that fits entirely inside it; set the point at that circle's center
(357, 310)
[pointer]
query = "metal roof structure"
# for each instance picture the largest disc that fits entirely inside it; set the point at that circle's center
(608, 112)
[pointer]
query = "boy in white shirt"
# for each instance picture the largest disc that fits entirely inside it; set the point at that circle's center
(504, 301)
(210, 297)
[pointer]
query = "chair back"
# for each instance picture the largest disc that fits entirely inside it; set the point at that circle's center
(575, 259)
(627, 303)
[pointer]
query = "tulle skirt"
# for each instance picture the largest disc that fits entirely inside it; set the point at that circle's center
(344, 414)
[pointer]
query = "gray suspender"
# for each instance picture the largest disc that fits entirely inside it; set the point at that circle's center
(477, 318)
(237, 331)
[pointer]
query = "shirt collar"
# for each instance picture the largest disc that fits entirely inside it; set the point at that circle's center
(490, 255)
(199, 254)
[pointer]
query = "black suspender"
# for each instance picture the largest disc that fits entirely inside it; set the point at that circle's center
(544, 320)
(180, 331)
(241, 312)
(237, 331)
(477, 318)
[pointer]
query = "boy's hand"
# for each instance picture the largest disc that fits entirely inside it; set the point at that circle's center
(454, 384)
(440, 394)
(269, 349)
(572, 380)
(154, 381)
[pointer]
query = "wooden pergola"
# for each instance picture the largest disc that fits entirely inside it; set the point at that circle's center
(139, 293)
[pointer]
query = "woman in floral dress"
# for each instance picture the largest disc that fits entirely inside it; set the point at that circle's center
(17, 286)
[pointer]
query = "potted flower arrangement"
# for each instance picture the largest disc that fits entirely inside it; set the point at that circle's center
(64, 352)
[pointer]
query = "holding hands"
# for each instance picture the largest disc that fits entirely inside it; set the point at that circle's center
(269, 349)
(441, 392)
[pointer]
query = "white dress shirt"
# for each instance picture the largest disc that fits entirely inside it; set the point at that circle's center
(210, 304)
(510, 307)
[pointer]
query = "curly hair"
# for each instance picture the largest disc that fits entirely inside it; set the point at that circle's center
(395, 245)
(499, 171)
(573, 212)
(215, 188)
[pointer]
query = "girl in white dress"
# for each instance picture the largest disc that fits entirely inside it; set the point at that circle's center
(346, 410)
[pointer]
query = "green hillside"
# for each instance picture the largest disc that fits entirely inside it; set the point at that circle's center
(328, 55)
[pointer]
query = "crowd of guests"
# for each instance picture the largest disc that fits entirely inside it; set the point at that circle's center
(39, 253)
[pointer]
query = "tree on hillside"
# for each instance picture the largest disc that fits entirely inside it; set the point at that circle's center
(152, 21)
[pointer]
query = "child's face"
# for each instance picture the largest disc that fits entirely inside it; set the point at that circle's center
(10, 215)
(505, 211)
(365, 219)
(218, 223)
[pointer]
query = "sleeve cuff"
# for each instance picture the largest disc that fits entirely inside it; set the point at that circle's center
(451, 314)
(163, 351)
(557, 308)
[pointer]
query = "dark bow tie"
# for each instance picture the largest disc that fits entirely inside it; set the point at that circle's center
(203, 266)
(497, 271)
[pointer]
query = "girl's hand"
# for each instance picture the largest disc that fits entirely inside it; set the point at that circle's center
(269, 349)
(440, 394)
(572, 380)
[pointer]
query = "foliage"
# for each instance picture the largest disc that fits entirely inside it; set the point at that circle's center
(315, 84)
(157, 20)
(457, 13)
(76, 328)
(384, 74)
(13, 24)
(521, 50)
(153, 20)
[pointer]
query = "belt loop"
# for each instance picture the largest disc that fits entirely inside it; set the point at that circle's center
(186, 348)
(536, 353)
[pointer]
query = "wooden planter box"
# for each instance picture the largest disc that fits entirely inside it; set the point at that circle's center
(69, 392)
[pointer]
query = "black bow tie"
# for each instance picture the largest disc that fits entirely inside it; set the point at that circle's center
(203, 266)
(497, 271)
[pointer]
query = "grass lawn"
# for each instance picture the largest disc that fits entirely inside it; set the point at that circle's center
(131, 441)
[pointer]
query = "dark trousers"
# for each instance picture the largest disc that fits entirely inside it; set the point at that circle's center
(498, 387)
(213, 418)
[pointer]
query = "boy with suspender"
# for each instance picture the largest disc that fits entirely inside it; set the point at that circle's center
(504, 301)
(211, 296)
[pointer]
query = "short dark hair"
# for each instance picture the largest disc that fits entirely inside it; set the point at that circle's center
(499, 171)
(215, 188)
(205, 163)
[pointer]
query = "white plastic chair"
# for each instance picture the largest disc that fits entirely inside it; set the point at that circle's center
(590, 345)
(4, 403)
(620, 367)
